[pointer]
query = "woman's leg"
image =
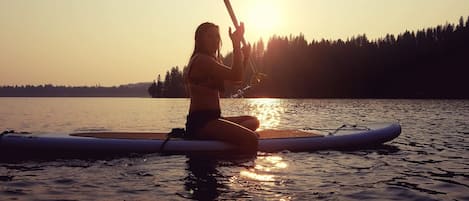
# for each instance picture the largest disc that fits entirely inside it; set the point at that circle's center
(227, 131)
(250, 122)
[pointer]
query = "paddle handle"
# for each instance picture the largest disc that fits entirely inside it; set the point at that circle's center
(233, 18)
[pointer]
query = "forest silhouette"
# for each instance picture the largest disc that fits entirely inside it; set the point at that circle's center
(429, 63)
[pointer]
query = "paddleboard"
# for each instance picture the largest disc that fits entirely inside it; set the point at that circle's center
(104, 143)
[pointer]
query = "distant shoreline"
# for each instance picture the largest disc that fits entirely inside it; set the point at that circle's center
(140, 90)
(129, 90)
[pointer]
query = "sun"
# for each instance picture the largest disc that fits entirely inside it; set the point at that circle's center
(263, 18)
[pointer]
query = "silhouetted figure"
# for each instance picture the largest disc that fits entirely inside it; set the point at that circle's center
(204, 80)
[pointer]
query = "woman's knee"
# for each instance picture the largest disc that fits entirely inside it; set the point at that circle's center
(251, 122)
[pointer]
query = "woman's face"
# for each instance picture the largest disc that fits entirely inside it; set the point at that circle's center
(211, 40)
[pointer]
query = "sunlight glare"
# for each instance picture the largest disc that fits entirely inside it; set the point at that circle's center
(264, 164)
(274, 165)
(264, 17)
(268, 111)
(257, 177)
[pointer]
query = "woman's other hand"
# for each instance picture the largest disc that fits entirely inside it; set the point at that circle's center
(237, 35)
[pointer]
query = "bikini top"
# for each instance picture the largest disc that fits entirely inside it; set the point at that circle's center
(208, 80)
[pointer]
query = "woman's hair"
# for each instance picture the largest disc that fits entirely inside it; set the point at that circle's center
(199, 32)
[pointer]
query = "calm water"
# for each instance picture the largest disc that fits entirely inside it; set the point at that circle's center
(429, 161)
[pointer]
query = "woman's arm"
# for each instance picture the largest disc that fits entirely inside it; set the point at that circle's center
(235, 73)
(238, 64)
(219, 70)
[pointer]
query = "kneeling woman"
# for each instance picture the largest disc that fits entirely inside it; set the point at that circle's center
(204, 79)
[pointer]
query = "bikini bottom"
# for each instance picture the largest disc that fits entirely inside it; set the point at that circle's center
(198, 119)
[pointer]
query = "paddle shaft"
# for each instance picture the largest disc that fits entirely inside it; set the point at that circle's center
(236, 24)
(233, 18)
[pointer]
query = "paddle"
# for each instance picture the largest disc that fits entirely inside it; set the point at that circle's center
(257, 76)
(233, 18)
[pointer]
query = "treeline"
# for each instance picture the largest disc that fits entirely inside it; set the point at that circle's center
(172, 87)
(430, 63)
(48, 90)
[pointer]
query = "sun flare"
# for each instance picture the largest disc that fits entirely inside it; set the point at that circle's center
(263, 17)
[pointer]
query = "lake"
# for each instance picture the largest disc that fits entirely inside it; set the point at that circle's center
(429, 161)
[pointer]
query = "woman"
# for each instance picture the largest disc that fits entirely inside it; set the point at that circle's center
(204, 80)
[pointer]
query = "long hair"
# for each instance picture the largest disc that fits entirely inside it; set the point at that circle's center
(199, 32)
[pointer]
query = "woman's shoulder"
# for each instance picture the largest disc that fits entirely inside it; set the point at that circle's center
(203, 60)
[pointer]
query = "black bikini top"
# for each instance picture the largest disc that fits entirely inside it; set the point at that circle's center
(208, 80)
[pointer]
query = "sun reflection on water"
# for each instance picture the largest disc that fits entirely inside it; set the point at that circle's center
(262, 171)
(257, 177)
(267, 110)
(265, 175)
(275, 162)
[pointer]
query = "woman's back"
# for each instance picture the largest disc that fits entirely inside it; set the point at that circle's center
(204, 93)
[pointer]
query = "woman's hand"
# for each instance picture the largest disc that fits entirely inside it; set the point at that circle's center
(237, 35)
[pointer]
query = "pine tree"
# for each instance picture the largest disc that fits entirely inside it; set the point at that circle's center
(159, 87)
(152, 90)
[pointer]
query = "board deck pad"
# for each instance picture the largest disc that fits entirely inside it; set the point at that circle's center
(263, 134)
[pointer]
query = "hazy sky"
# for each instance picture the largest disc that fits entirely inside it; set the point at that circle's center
(112, 42)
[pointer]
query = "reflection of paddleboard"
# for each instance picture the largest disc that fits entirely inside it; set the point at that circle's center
(103, 143)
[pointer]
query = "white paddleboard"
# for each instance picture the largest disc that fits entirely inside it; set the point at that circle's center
(103, 143)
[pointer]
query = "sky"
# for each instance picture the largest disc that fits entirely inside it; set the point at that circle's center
(113, 42)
